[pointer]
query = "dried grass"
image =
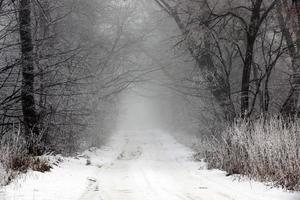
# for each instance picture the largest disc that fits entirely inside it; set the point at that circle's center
(14, 158)
(265, 149)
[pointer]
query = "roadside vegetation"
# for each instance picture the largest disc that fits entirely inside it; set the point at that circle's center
(246, 76)
(15, 159)
(63, 64)
(266, 149)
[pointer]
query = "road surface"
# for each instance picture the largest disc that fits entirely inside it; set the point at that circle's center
(138, 165)
(152, 165)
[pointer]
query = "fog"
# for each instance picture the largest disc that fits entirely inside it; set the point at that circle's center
(138, 113)
(153, 103)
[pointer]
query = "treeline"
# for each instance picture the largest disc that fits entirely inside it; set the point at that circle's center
(62, 65)
(247, 52)
(247, 58)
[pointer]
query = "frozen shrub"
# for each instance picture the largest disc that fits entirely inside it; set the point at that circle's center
(14, 158)
(263, 149)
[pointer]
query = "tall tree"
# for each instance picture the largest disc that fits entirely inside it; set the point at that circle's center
(292, 38)
(27, 91)
(259, 11)
(250, 16)
(215, 80)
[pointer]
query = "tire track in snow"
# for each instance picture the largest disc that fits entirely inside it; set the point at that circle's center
(152, 165)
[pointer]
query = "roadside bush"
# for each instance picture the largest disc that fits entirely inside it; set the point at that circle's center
(263, 149)
(14, 158)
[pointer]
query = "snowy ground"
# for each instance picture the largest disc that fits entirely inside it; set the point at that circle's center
(147, 165)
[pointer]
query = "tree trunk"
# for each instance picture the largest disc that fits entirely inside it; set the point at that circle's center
(266, 93)
(290, 106)
(251, 38)
(246, 78)
(27, 91)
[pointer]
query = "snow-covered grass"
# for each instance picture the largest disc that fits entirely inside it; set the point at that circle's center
(265, 149)
(70, 178)
(14, 159)
(12, 152)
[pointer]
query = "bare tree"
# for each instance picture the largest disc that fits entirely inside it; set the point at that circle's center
(27, 91)
(215, 80)
(290, 15)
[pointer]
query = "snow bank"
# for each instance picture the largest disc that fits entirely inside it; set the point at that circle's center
(67, 180)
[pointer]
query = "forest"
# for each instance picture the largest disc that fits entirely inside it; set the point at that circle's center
(221, 76)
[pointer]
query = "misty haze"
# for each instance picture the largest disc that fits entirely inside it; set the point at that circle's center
(149, 100)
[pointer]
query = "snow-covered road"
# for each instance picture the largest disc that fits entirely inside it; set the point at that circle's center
(148, 165)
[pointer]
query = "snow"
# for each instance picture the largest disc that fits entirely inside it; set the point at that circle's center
(136, 165)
